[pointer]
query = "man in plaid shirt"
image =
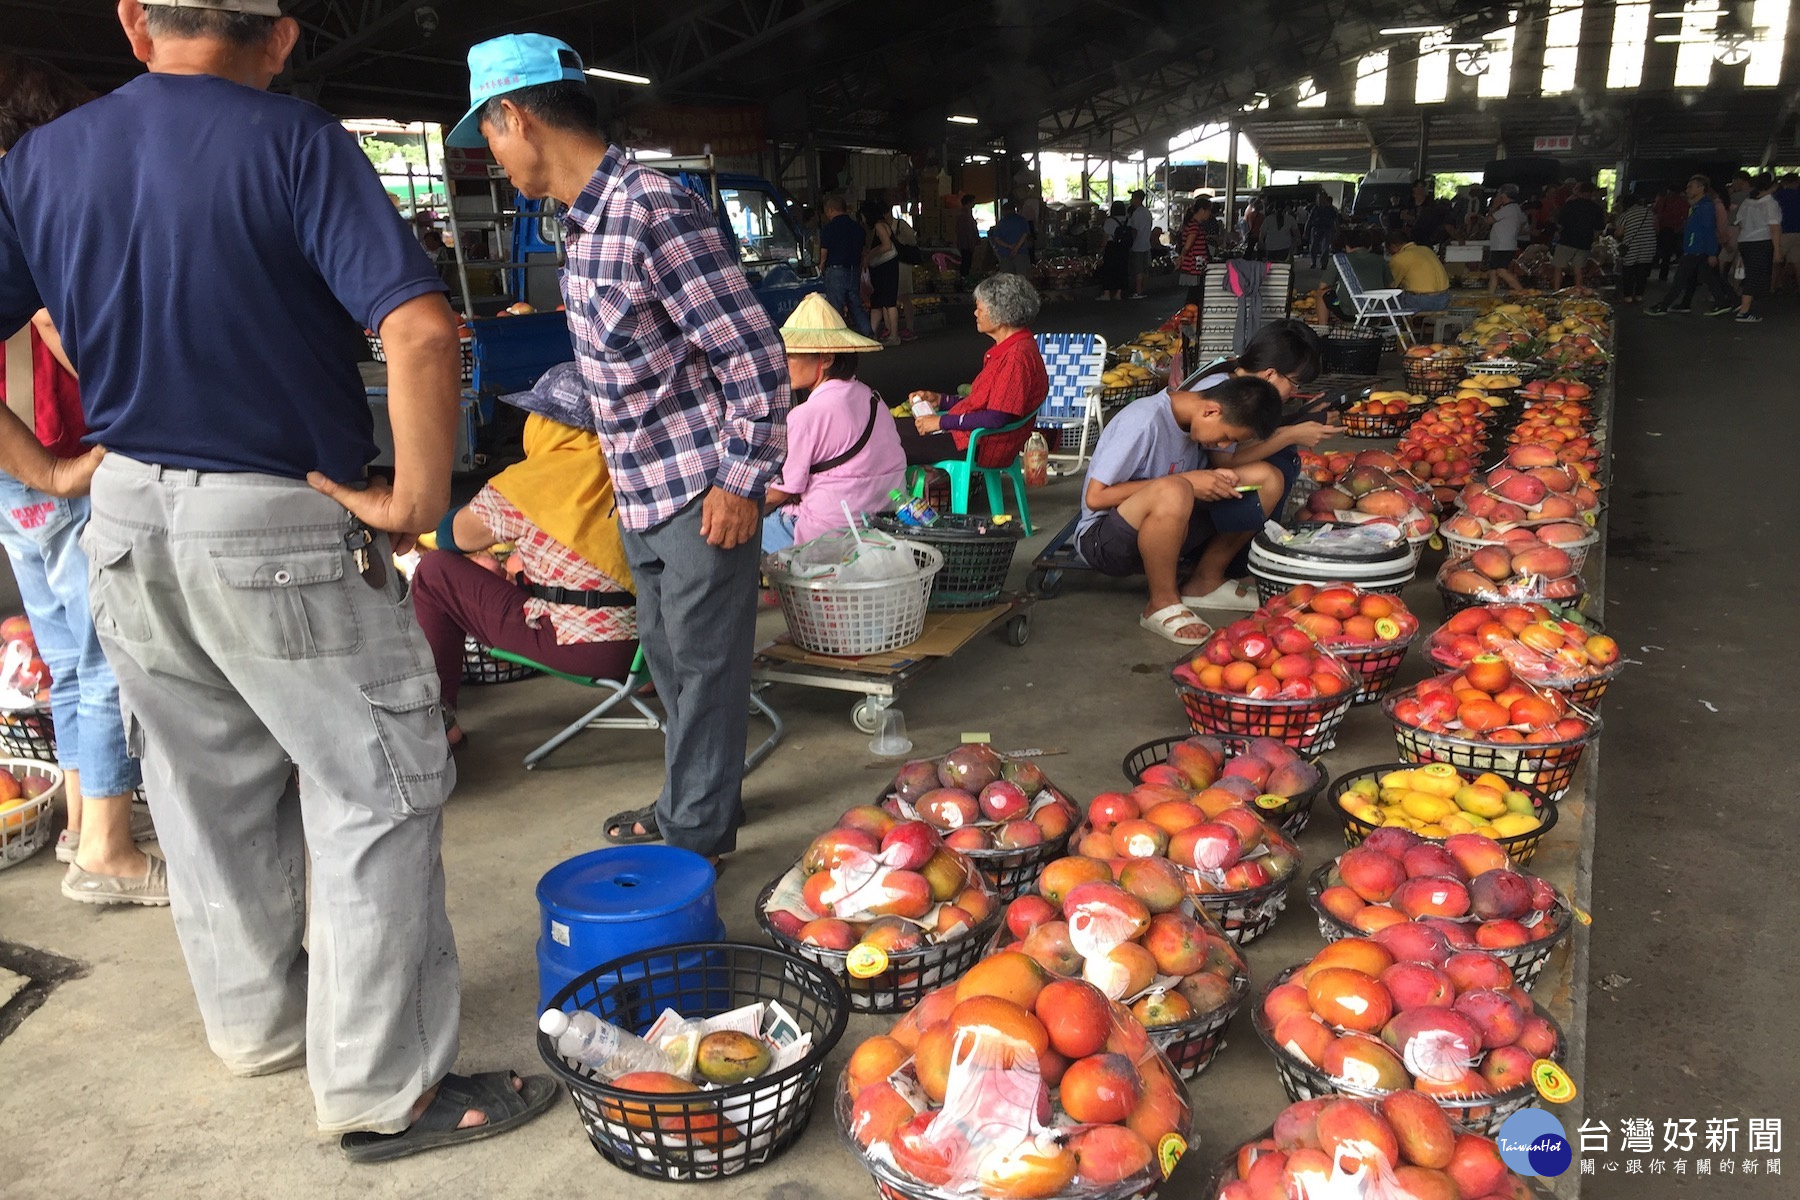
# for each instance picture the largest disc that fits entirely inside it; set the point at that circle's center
(688, 383)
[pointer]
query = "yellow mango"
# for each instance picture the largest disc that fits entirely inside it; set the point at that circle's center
(1514, 824)
(1426, 807)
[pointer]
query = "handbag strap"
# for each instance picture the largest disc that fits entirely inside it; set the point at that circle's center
(838, 460)
(21, 390)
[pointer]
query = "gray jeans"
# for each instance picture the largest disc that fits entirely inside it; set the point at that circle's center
(697, 623)
(246, 645)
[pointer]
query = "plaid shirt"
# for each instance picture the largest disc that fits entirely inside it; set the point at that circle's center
(687, 376)
(547, 561)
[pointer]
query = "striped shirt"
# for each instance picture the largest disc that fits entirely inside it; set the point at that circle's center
(686, 374)
(1637, 235)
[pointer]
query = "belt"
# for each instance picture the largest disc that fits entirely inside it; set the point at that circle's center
(580, 598)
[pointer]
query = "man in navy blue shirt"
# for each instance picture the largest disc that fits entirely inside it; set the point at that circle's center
(842, 241)
(209, 253)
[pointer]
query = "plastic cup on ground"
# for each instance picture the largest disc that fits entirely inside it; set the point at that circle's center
(891, 740)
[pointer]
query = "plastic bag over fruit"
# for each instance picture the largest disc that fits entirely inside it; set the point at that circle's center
(904, 879)
(1541, 646)
(981, 800)
(1265, 657)
(1327, 538)
(1368, 493)
(24, 680)
(1050, 1090)
(1341, 1148)
(1345, 616)
(1520, 570)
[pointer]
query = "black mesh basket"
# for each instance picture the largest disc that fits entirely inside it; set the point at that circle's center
(1269, 589)
(481, 667)
(691, 1136)
(1013, 873)
(28, 734)
(1547, 766)
(1291, 818)
(1432, 376)
(1309, 726)
(1192, 1045)
(1520, 847)
(1482, 1114)
(977, 555)
(1247, 915)
(1526, 962)
(1376, 666)
(909, 973)
(1384, 425)
(1352, 351)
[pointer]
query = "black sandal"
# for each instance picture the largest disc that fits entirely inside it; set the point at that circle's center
(618, 828)
(491, 1093)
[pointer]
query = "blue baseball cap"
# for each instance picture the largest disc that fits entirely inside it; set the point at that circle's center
(506, 64)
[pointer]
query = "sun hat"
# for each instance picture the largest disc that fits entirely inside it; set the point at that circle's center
(506, 64)
(815, 327)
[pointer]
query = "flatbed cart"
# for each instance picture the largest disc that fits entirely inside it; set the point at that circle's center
(1326, 394)
(879, 678)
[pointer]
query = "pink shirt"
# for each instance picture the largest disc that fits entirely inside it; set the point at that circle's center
(826, 425)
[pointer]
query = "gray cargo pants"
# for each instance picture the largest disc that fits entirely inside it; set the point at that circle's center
(697, 623)
(246, 644)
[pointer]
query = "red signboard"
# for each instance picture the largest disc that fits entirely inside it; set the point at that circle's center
(1549, 145)
(462, 162)
(683, 130)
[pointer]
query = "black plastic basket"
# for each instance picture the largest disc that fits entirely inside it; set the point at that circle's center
(1369, 425)
(1377, 666)
(481, 667)
(1192, 1045)
(1301, 1081)
(977, 552)
(1291, 818)
(1013, 873)
(1526, 962)
(1547, 766)
(1349, 350)
(909, 974)
(1431, 378)
(1269, 589)
(28, 734)
(1520, 847)
(687, 1137)
(1309, 726)
(1247, 915)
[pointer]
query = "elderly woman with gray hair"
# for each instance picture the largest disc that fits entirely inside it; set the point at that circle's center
(1012, 383)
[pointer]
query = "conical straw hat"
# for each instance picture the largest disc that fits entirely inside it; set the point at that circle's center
(817, 328)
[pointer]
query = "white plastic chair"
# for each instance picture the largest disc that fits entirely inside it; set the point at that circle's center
(1074, 362)
(1374, 306)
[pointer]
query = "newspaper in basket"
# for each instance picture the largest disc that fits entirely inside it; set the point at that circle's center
(849, 593)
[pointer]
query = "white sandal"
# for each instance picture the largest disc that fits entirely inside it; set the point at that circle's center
(1231, 596)
(1170, 620)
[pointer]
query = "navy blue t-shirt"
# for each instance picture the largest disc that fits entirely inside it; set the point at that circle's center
(842, 240)
(209, 253)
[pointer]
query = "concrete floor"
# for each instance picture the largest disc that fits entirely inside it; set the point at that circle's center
(113, 1078)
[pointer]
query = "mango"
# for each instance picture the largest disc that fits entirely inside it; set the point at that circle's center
(1514, 824)
(730, 1057)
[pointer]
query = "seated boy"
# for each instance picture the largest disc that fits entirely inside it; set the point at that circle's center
(1151, 499)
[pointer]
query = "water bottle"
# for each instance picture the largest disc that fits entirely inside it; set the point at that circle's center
(1036, 460)
(914, 512)
(603, 1048)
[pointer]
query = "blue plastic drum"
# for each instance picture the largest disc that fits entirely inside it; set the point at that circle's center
(609, 903)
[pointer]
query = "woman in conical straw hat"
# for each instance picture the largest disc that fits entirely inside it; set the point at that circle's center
(843, 446)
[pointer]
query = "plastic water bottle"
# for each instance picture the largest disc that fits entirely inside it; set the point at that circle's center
(913, 511)
(601, 1047)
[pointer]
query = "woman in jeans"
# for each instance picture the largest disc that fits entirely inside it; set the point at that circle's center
(1758, 221)
(41, 533)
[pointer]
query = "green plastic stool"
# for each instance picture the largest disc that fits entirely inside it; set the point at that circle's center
(625, 691)
(962, 471)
